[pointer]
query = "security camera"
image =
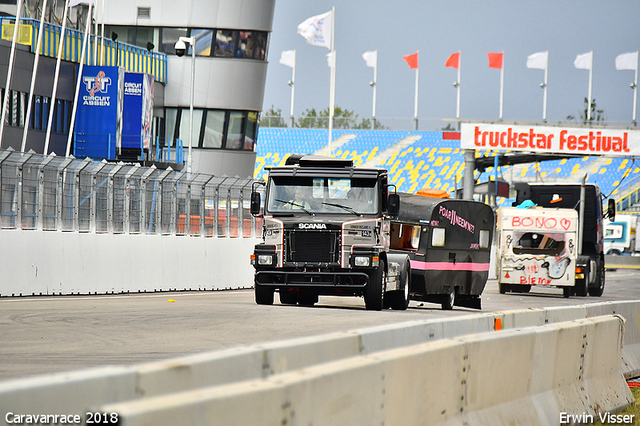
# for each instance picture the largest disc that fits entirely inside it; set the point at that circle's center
(180, 47)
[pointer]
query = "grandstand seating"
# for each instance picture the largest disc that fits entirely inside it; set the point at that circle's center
(435, 159)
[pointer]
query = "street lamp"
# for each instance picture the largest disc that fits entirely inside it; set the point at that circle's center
(181, 48)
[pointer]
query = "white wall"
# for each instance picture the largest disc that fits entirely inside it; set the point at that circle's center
(37, 262)
(232, 14)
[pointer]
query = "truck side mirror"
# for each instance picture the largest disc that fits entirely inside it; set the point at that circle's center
(611, 210)
(255, 203)
(394, 204)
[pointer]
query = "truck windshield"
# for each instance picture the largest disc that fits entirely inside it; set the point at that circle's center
(323, 195)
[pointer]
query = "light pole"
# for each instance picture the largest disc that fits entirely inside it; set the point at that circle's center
(180, 51)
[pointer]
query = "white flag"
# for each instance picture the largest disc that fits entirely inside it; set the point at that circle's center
(77, 2)
(330, 55)
(288, 58)
(371, 58)
(584, 61)
(538, 61)
(627, 61)
(317, 30)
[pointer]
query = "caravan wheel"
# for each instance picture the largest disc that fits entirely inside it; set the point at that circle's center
(449, 300)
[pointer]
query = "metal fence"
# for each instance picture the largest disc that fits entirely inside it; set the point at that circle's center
(52, 193)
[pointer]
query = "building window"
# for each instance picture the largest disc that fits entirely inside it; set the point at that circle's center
(217, 129)
(213, 129)
(235, 130)
(204, 39)
(226, 41)
(169, 38)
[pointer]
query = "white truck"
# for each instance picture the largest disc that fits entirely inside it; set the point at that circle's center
(620, 235)
(537, 246)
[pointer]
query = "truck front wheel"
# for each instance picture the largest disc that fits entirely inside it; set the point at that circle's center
(399, 299)
(264, 295)
(373, 292)
(598, 288)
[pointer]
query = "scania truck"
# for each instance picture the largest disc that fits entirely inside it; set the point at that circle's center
(326, 231)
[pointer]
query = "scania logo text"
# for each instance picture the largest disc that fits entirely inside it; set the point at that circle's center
(312, 226)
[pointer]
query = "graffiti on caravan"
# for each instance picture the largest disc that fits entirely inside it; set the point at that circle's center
(560, 139)
(453, 217)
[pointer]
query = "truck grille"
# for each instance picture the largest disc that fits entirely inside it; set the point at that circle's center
(312, 246)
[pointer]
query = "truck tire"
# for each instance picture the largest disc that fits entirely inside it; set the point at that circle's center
(307, 299)
(374, 291)
(581, 288)
(264, 295)
(288, 297)
(598, 287)
(503, 288)
(449, 300)
(399, 299)
(567, 292)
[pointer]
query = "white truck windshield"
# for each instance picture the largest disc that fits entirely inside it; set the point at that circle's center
(323, 195)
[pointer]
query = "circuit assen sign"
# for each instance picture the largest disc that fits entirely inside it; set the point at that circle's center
(564, 140)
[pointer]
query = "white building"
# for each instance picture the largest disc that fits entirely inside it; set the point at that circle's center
(232, 39)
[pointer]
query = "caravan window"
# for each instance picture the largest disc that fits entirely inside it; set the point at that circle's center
(437, 237)
(538, 243)
(483, 240)
(405, 237)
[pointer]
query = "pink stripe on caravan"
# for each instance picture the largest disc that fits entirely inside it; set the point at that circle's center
(448, 266)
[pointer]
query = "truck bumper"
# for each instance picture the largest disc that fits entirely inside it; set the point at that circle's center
(336, 279)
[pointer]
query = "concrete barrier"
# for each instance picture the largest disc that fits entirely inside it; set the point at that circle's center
(230, 367)
(44, 263)
(521, 376)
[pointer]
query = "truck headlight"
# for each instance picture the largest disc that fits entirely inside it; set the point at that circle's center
(362, 261)
(265, 259)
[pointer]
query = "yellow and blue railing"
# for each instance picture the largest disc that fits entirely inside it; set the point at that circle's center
(131, 58)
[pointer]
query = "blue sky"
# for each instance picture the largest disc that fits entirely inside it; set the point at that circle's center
(438, 28)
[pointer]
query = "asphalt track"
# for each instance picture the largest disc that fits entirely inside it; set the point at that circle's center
(52, 334)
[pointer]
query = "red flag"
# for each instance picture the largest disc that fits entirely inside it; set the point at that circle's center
(412, 60)
(495, 60)
(453, 61)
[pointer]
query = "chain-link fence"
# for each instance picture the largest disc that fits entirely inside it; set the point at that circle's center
(52, 193)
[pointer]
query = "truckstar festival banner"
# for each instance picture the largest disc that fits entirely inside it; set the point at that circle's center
(550, 139)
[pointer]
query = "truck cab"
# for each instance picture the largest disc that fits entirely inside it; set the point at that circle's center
(326, 232)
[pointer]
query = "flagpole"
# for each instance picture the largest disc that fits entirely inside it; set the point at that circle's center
(102, 36)
(635, 90)
(415, 102)
(458, 89)
(95, 38)
(332, 85)
(589, 92)
(7, 90)
(33, 78)
(375, 88)
(75, 99)
(293, 86)
(544, 88)
(56, 76)
(502, 86)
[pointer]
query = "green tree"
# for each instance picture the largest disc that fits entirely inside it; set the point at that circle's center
(597, 115)
(273, 118)
(342, 119)
(449, 128)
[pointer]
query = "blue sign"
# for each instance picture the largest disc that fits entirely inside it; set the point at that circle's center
(99, 109)
(137, 111)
